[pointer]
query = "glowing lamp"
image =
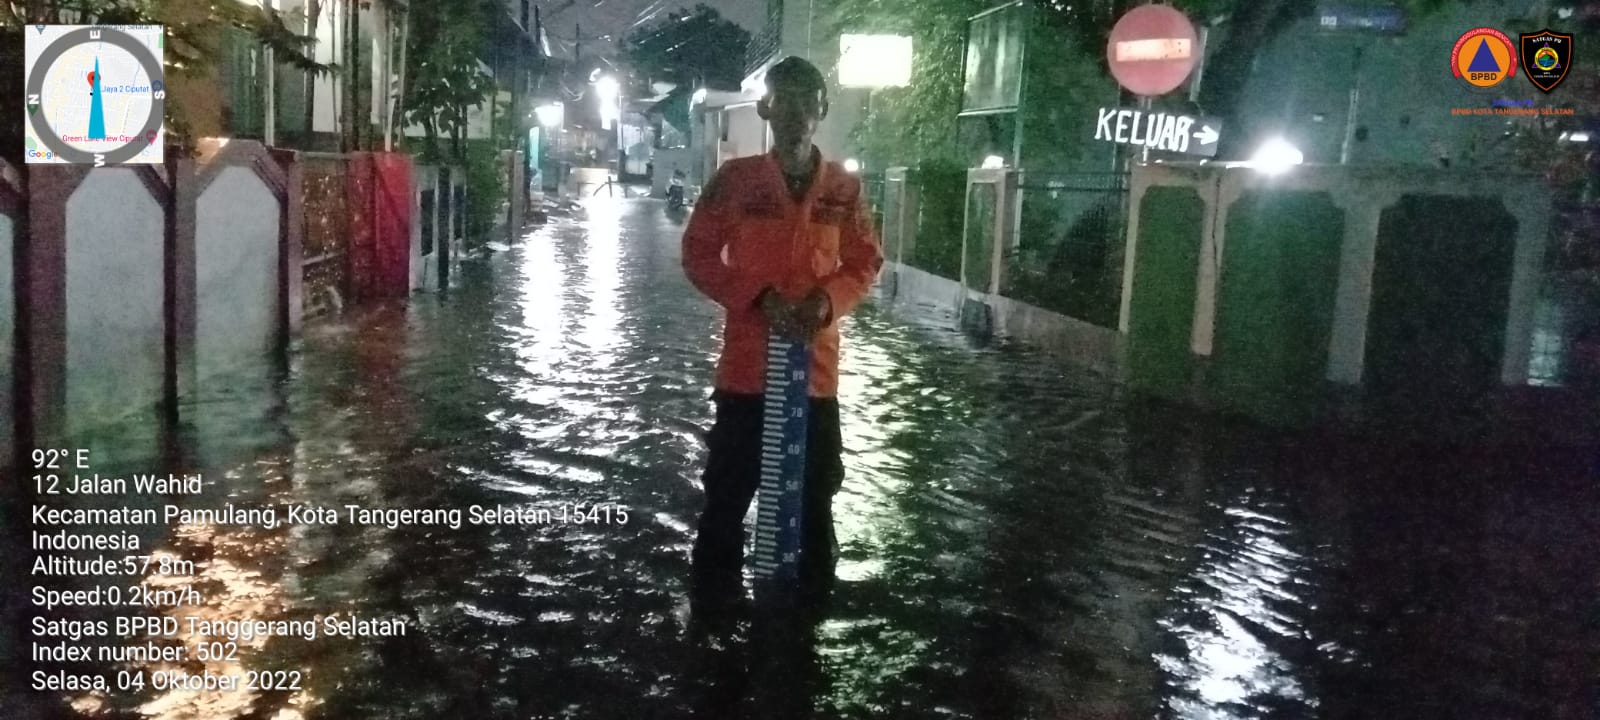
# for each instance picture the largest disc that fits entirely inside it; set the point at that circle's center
(874, 61)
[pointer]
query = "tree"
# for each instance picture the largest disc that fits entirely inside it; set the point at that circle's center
(916, 123)
(695, 47)
(443, 79)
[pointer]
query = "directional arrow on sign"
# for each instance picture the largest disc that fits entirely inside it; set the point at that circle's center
(1163, 132)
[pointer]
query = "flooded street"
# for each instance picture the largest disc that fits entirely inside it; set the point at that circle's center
(1019, 539)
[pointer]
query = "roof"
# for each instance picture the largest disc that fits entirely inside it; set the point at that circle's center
(720, 98)
(674, 107)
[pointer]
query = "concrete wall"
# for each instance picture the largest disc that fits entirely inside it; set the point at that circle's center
(114, 323)
(1080, 342)
(236, 272)
(423, 267)
(1366, 194)
(747, 133)
(434, 270)
(1070, 339)
(920, 287)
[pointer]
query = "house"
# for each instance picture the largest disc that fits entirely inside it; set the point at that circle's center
(726, 124)
(276, 107)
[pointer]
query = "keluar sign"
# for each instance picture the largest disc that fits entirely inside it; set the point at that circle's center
(1170, 132)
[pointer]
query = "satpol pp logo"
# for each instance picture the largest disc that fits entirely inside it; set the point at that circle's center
(1546, 57)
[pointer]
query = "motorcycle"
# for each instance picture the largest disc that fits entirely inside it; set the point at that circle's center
(675, 199)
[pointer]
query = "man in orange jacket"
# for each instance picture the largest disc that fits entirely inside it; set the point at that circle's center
(782, 242)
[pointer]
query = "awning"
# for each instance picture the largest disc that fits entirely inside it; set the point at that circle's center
(675, 108)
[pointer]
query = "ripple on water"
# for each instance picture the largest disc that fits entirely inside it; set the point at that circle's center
(1018, 538)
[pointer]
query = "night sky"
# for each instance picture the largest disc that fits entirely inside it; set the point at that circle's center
(604, 21)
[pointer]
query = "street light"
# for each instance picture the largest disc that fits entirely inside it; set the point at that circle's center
(1277, 156)
(874, 61)
(608, 91)
(551, 115)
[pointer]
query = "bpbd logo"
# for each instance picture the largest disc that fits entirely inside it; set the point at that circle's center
(1483, 58)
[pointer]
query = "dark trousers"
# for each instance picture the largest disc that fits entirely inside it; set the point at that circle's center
(731, 477)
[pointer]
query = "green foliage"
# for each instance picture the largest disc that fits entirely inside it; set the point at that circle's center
(943, 187)
(443, 79)
(909, 125)
(486, 190)
(1065, 76)
(1070, 258)
(190, 26)
(691, 48)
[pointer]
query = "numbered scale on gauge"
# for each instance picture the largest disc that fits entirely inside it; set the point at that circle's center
(783, 468)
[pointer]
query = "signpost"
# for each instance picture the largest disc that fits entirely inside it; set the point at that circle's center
(1152, 50)
(1169, 132)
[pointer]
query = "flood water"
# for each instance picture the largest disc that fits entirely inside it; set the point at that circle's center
(1019, 538)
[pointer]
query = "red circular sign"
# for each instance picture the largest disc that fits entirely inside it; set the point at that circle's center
(1152, 49)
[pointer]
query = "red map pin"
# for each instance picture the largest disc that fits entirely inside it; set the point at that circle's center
(91, 78)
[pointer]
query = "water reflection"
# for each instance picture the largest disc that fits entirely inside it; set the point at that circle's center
(1018, 539)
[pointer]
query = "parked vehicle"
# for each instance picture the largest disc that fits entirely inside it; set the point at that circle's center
(675, 193)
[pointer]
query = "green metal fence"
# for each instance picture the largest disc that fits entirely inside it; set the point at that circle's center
(1068, 255)
(872, 187)
(942, 202)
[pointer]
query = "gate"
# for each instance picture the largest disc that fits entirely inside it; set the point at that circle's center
(327, 235)
(1071, 231)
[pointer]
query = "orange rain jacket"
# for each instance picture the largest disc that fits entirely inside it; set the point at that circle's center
(748, 233)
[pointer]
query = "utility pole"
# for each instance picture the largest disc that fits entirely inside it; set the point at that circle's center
(358, 111)
(1354, 109)
(270, 91)
(269, 129)
(347, 79)
(308, 94)
(352, 77)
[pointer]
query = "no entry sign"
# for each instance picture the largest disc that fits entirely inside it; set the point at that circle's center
(1152, 50)
(1170, 132)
